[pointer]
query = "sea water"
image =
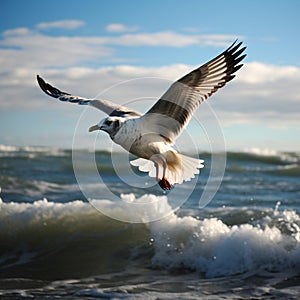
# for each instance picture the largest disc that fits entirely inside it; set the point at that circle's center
(54, 243)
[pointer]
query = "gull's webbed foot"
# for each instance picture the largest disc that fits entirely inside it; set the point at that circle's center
(165, 184)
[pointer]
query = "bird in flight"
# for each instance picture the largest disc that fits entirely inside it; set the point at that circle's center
(150, 136)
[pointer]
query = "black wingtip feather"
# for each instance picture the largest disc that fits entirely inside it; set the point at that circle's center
(238, 53)
(49, 89)
(236, 68)
(239, 59)
(233, 56)
(232, 49)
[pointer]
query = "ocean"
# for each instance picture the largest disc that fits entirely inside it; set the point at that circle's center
(105, 235)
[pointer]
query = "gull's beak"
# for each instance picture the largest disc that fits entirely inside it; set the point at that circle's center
(93, 128)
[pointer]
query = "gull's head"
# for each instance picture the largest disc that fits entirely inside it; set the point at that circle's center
(111, 125)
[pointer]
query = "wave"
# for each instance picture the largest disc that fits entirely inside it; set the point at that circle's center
(215, 249)
(268, 162)
(30, 152)
(248, 151)
(273, 157)
(58, 240)
(53, 240)
(44, 149)
(247, 160)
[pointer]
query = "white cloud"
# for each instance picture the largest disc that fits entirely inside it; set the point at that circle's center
(168, 39)
(259, 93)
(62, 24)
(259, 73)
(220, 40)
(117, 27)
(137, 82)
(240, 102)
(33, 49)
(272, 105)
(163, 38)
(270, 90)
(16, 31)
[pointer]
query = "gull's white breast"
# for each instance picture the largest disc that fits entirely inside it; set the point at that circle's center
(139, 142)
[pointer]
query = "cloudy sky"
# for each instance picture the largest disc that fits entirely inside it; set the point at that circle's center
(131, 51)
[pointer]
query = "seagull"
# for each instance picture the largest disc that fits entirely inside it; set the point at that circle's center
(151, 136)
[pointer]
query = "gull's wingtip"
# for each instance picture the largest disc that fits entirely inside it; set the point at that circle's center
(42, 84)
(39, 79)
(236, 45)
(49, 89)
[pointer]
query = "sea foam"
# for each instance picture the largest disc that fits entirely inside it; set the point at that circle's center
(208, 246)
(211, 247)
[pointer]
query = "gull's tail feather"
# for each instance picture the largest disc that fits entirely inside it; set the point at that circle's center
(180, 167)
(144, 165)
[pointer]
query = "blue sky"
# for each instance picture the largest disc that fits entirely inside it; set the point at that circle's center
(106, 48)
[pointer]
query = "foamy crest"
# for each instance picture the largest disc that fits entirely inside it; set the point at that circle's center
(262, 152)
(7, 148)
(211, 247)
(283, 156)
(29, 151)
(208, 246)
(135, 210)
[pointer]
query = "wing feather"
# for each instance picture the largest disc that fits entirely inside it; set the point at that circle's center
(106, 106)
(173, 110)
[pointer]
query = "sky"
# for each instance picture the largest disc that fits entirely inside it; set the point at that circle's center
(130, 52)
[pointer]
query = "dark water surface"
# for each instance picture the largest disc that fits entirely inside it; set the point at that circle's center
(55, 245)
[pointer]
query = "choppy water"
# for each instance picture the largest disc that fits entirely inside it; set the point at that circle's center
(54, 244)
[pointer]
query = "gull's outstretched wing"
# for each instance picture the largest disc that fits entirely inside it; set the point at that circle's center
(106, 106)
(174, 109)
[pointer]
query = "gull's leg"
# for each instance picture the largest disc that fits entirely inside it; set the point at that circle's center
(164, 165)
(158, 161)
(157, 171)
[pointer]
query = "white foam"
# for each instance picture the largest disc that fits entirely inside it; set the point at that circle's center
(8, 150)
(135, 210)
(208, 246)
(211, 247)
(284, 156)
(129, 207)
(262, 152)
